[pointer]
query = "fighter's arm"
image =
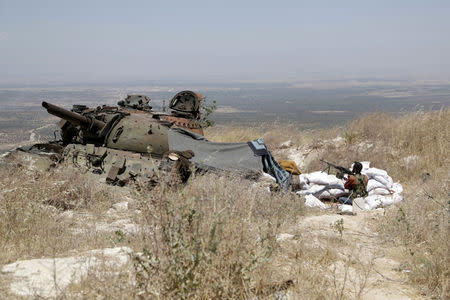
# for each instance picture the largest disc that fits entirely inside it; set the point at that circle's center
(351, 181)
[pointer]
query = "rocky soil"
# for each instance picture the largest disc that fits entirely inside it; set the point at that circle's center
(366, 269)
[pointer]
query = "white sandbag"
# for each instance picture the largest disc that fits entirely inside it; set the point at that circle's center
(372, 172)
(345, 208)
(303, 182)
(337, 192)
(380, 191)
(315, 176)
(397, 198)
(365, 164)
(322, 178)
(358, 204)
(323, 195)
(375, 184)
(330, 193)
(375, 201)
(372, 202)
(303, 178)
(268, 177)
(385, 180)
(312, 201)
(314, 188)
(325, 191)
(386, 201)
(397, 188)
(304, 186)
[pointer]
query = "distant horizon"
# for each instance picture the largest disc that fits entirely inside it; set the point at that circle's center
(345, 82)
(51, 42)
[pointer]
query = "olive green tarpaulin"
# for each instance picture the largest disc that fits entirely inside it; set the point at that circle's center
(223, 156)
(247, 158)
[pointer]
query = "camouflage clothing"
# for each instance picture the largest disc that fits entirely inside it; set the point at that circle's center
(360, 188)
(357, 184)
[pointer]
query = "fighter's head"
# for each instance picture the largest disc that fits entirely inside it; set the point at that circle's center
(357, 167)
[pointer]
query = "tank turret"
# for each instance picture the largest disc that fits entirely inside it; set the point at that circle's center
(132, 126)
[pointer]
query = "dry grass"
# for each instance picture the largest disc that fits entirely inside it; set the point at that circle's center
(216, 236)
(407, 147)
(273, 134)
(31, 207)
(420, 225)
(412, 148)
(415, 150)
(212, 238)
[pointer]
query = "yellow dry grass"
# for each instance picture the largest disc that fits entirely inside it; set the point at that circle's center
(32, 219)
(415, 150)
(216, 236)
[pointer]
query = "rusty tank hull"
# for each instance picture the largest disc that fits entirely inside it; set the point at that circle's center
(131, 142)
(121, 143)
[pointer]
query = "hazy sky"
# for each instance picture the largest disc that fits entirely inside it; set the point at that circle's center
(118, 41)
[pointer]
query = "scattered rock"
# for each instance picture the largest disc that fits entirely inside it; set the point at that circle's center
(411, 161)
(286, 144)
(124, 225)
(68, 214)
(284, 237)
(338, 141)
(47, 277)
(121, 206)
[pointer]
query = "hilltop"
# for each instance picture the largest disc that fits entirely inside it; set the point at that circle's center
(221, 237)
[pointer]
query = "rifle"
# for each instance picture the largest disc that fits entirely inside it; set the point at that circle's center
(339, 168)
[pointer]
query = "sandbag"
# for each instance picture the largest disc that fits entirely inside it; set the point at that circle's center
(268, 177)
(290, 166)
(314, 188)
(372, 172)
(385, 180)
(338, 192)
(329, 191)
(303, 182)
(365, 164)
(380, 191)
(397, 188)
(375, 201)
(374, 184)
(322, 178)
(312, 201)
(386, 201)
(323, 195)
(372, 202)
(345, 208)
(397, 198)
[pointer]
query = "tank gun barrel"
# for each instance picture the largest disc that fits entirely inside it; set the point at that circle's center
(73, 117)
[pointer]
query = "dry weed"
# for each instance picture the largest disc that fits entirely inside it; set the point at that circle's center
(216, 236)
(273, 134)
(31, 203)
(210, 238)
(420, 224)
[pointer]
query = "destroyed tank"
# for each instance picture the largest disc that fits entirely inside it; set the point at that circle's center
(120, 142)
(131, 142)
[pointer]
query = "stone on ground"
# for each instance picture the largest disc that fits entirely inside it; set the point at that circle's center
(47, 277)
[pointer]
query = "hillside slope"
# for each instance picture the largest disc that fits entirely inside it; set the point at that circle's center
(223, 237)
